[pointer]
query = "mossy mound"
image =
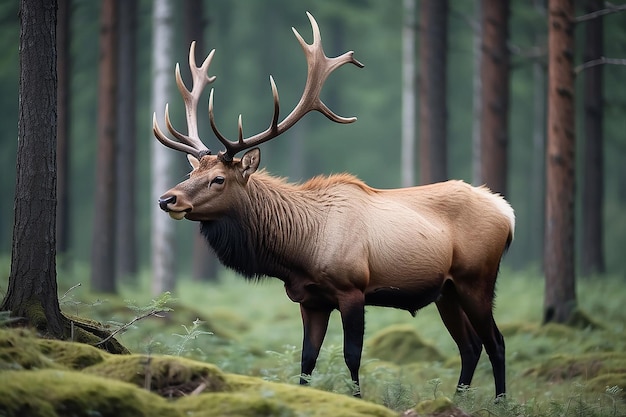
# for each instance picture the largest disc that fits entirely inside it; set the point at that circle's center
(166, 375)
(587, 366)
(48, 378)
(439, 407)
(401, 344)
(53, 392)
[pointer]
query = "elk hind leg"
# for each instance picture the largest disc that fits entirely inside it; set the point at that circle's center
(462, 332)
(315, 324)
(478, 307)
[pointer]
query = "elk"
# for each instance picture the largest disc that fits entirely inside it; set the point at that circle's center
(335, 242)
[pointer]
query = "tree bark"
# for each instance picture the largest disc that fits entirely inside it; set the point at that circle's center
(560, 293)
(63, 128)
(593, 160)
(163, 238)
(103, 243)
(476, 92)
(432, 90)
(32, 289)
(495, 74)
(125, 220)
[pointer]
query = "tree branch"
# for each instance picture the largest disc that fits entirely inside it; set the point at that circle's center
(599, 61)
(610, 8)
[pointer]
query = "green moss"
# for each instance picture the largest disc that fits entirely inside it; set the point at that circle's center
(587, 366)
(52, 393)
(169, 376)
(401, 344)
(19, 349)
(290, 399)
(580, 319)
(441, 406)
(601, 383)
(70, 354)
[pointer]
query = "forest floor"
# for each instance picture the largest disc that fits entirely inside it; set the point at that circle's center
(233, 348)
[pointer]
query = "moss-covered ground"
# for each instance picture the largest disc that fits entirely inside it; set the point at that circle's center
(248, 365)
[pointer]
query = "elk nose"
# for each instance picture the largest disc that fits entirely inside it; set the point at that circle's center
(163, 202)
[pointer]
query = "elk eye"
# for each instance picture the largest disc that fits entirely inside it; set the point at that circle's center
(217, 180)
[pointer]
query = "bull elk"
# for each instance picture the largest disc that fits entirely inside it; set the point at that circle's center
(337, 243)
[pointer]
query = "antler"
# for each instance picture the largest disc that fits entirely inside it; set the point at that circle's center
(190, 143)
(319, 68)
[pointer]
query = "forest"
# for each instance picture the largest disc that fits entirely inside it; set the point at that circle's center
(243, 61)
(118, 246)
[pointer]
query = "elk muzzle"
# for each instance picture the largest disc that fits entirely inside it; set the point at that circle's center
(164, 204)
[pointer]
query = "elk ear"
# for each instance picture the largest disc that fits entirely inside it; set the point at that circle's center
(193, 161)
(250, 162)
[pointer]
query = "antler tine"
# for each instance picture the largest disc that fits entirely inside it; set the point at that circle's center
(190, 143)
(319, 67)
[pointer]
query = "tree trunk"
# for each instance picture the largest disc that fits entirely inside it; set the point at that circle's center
(408, 94)
(163, 238)
(495, 69)
(204, 262)
(103, 246)
(432, 90)
(63, 128)
(32, 281)
(476, 91)
(560, 296)
(125, 233)
(593, 161)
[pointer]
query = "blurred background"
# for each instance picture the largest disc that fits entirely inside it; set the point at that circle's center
(253, 39)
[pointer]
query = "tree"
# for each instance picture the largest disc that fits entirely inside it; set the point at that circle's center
(103, 246)
(63, 126)
(204, 262)
(408, 93)
(476, 89)
(560, 291)
(432, 90)
(125, 220)
(592, 250)
(495, 70)
(163, 247)
(32, 290)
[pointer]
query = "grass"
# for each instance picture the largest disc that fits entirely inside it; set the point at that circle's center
(252, 328)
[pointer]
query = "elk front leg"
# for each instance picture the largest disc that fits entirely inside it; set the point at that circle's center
(315, 323)
(352, 309)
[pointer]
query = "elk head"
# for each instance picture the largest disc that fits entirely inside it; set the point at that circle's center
(217, 181)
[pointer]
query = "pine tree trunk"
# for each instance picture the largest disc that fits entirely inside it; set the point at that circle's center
(432, 90)
(495, 74)
(163, 238)
(125, 233)
(593, 180)
(32, 285)
(103, 243)
(560, 293)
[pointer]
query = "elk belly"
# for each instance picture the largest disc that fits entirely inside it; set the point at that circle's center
(177, 215)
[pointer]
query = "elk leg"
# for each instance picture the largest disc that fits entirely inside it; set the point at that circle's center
(480, 316)
(461, 330)
(352, 309)
(315, 323)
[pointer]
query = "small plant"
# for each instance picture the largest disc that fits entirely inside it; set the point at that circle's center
(191, 333)
(156, 308)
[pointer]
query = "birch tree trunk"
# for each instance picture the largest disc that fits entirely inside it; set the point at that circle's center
(408, 94)
(163, 239)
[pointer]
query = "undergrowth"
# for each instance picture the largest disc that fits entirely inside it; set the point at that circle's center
(253, 329)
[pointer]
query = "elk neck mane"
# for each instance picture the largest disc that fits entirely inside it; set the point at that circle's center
(267, 233)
